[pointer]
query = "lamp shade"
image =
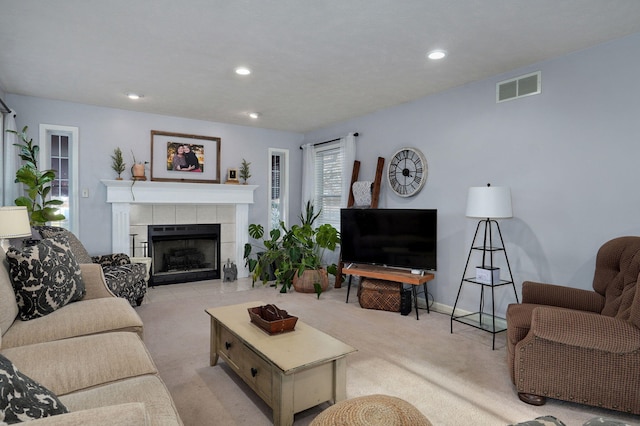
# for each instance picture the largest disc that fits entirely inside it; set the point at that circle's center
(489, 202)
(14, 222)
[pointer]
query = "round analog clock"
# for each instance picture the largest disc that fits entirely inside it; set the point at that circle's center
(407, 172)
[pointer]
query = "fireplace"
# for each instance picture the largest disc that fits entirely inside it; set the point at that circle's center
(122, 196)
(183, 253)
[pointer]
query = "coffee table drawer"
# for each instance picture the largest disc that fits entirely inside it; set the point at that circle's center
(257, 373)
(230, 348)
(253, 369)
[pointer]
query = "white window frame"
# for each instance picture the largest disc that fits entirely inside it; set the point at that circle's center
(46, 130)
(284, 187)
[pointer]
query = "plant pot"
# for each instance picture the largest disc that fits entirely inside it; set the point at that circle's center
(304, 283)
(137, 170)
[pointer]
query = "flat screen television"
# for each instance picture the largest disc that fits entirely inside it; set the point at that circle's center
(404, 238)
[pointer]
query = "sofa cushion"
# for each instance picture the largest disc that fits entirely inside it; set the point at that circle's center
(76, 319)
(72, 365)
(45, 277)
(78, 250)
(148, 389)
(8, 303)
(23, 399)
(130, 414)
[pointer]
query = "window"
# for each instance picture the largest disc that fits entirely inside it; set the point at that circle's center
(328, 184)
(59, 151)
(278, 187)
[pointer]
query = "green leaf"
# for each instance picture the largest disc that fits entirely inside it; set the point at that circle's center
(256, 231)
(318, 289)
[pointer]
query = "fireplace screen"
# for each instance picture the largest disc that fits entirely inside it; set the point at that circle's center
(183, 253)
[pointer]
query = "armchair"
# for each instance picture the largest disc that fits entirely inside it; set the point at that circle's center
(578, 345)
(125, 279)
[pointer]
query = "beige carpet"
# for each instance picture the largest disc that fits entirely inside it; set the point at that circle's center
(454, 379)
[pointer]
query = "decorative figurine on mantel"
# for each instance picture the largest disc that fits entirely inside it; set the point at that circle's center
(230, 271)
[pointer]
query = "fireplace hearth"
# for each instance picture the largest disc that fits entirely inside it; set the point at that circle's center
(184, 253)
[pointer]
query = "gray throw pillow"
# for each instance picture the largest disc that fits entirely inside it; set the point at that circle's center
(45, 277)
(22, 398)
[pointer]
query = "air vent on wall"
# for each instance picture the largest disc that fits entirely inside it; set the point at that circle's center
(525, 85)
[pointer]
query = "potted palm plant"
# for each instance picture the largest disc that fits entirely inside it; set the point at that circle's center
(294, 254)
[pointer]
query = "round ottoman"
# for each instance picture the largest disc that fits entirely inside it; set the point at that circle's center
(371, 410)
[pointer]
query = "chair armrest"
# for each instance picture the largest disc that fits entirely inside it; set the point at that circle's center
(94, 282)
(132, 413)
(584, 330)
(562, 297)
(112, 259)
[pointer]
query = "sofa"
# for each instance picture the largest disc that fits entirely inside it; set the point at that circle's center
(580, 345)
(125, 279)
(80, 362)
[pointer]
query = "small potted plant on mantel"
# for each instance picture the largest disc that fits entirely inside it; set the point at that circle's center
(244, 173)
(118, 165)
(294, 254)
(138, 169)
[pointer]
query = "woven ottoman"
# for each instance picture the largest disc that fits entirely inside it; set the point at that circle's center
(371, 410)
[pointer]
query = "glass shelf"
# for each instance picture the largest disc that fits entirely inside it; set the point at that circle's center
(483, 321)
(498, 284)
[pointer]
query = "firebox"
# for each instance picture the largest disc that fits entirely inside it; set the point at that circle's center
(184, 253)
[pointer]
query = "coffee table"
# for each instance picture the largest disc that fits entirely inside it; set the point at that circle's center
(291, 371)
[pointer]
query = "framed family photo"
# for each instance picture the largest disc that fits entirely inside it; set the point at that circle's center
(180, 157)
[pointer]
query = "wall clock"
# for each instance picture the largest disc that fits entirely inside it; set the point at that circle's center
(407, 172)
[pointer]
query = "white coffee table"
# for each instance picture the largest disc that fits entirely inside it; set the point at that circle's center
(291, 371)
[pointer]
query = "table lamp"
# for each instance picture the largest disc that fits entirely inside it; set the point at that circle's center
(14, 223)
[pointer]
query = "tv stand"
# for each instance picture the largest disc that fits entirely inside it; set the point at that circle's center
(391, 274)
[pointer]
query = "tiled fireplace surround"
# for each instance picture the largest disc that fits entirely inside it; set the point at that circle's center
(169, 203)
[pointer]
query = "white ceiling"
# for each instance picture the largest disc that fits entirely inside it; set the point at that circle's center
(314, 62)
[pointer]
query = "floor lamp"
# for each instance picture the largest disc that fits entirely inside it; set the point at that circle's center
(14, 223)
(486, 203)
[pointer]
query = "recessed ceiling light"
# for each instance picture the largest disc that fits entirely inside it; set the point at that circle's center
(134, 96)
(243, 71)
(436, 54)
(254, 115)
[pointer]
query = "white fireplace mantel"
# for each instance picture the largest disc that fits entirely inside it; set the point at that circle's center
(122, 193)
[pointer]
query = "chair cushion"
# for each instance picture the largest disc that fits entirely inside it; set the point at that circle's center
(78, 250)
(45, 277)
(23, 399)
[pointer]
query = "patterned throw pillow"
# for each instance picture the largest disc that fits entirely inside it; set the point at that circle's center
(22, 399)
(45, 277)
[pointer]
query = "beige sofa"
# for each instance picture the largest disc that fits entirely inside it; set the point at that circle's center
(90, 354)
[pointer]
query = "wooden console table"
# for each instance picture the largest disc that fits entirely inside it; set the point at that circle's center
(391, 274)
(291, 371)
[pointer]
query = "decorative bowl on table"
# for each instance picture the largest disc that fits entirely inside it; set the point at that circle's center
(271, 319)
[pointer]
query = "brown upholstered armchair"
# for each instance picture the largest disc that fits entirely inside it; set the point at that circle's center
(578, 345)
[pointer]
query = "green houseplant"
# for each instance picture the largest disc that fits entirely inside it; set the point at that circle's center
(293, 252)
(37, 183)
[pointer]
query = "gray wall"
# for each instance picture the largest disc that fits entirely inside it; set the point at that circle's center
(570, 156)
(101, 130)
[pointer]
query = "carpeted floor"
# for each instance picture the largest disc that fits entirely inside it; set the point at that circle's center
(454, 379)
